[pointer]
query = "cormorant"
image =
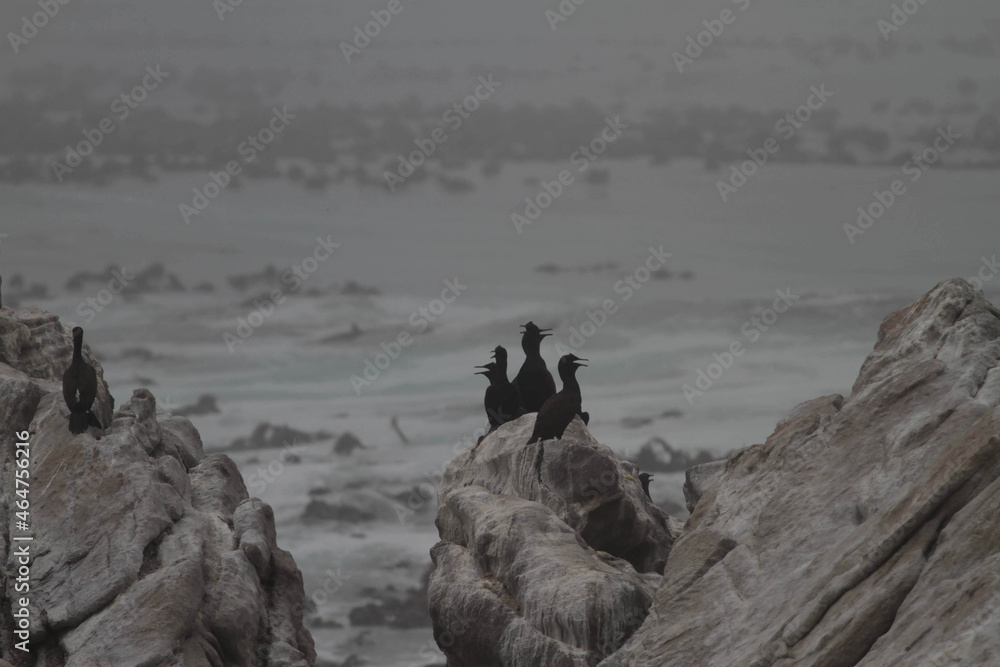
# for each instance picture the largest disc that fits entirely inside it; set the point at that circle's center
(80, 388)
(501, 401)
(534, 383)
(644, 478)
(560, 409)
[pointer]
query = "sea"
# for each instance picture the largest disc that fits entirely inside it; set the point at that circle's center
(652, 276)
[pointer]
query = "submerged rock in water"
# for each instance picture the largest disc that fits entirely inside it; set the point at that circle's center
(346, 444)
(146, 551)
(272, 436)
(657, 455)
(206, 404)
(865, 531)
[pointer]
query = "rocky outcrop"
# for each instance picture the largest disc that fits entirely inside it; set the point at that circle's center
(145, 551)
(550, 552)
(865, 530)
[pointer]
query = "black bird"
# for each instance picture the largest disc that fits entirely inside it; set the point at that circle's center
(644, 478)
(501, 400)
(560, 409)
(80, 388)
(534, 383)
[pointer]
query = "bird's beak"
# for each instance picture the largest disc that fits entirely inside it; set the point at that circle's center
(480, 372)
(577, 362)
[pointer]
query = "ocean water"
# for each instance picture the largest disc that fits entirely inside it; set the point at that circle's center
(739, 252)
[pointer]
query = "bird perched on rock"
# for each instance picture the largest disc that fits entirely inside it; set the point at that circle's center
(501, 401)
(644, 478)
(80, 388)
(534, 383)
(560, 409)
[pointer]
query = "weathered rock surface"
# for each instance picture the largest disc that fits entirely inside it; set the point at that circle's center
(549, 552)
(865, 531)
(146, 551)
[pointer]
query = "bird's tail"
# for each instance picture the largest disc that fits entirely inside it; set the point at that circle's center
(78, 422)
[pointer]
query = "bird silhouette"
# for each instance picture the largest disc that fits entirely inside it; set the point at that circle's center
(501, 401)
(644, 478)
(80, 388)
(559, 410)
(533, 382)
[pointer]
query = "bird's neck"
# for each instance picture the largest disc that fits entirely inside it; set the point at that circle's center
(532, 349)
(570, 385)
(78, 349)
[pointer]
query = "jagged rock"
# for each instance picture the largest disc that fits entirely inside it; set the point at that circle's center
(549, 552)
(865, 530)
(146, 552)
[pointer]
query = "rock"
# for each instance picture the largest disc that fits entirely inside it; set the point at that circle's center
(269, 277)
(205, 405)
(354, 288)
(346, 444)
(865, 530)
(153, 279)
(699, 479)
(393, 611)
(357, 506)
(667, 459)
(553, 563)
(141, 552)
(267, 435)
